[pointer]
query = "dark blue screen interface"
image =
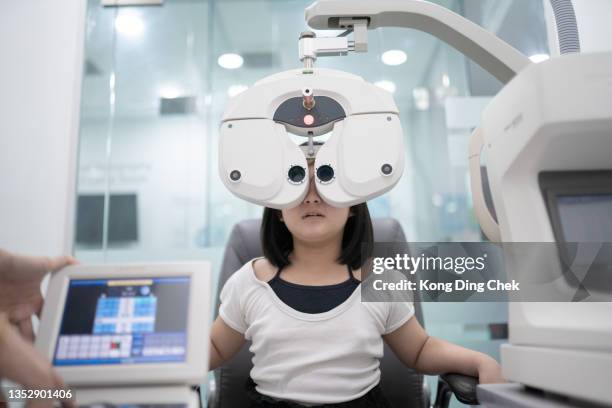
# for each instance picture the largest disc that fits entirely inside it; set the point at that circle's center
(124, 321)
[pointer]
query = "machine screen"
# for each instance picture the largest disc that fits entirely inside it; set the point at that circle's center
(586, 218)
(124, 321)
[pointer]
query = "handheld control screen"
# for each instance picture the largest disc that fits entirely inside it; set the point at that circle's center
(124, 321)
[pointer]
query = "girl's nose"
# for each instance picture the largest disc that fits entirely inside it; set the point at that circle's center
(313, 196)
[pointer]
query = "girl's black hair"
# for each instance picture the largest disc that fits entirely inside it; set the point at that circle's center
(357, 239)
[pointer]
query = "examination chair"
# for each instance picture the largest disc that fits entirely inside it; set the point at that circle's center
(403, 387)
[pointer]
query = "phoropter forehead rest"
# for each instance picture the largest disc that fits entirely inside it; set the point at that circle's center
(260, 163)
(351, 92)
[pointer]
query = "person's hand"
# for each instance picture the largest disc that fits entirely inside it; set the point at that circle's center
(489, 371)
(21, 363)
(20, 278)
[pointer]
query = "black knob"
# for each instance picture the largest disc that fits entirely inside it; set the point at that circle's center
(235, 175)
(325, 173)
(296, 174)
(386, 169)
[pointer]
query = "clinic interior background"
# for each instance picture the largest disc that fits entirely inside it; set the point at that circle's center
(154, 88)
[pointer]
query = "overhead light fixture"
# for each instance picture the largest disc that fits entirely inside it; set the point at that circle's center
(170, 91)
(230, 61)
(420, 96)
(328, 33)
(208, 100)
(386, 85)
(394, 57)
(539, 58)
(446, 80)
(236, 90)
(129, 24)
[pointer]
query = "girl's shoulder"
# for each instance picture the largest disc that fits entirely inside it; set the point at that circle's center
(264, 270)
(247, 276)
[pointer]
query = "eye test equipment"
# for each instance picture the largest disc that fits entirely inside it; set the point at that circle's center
(311, 102)
(545, 137)
(129, 335)
(547, 140)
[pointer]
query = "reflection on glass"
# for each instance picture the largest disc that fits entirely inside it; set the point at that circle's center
(143, 161)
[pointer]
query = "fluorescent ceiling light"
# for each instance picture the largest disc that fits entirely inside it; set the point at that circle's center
(421, 98)
(539, 58)
(328, 33)
(386, 85)
(446, 80)
(230, 61)
(130, 25)
(394, 57)
(170, 91)
(236, 89)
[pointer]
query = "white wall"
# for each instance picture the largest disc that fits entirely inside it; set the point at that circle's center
(594, 28)
(593, 18)
(41, 58)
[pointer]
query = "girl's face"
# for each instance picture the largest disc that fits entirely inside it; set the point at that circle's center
(314, 220)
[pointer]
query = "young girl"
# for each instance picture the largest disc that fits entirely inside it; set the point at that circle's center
(314, 342)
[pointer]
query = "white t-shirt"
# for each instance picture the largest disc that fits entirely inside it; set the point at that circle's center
(317, 358)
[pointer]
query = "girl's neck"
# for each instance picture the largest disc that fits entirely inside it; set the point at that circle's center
(317, 256)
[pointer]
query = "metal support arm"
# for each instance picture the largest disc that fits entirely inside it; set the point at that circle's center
(487, 50)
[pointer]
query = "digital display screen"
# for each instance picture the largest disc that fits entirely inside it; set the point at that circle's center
(122, 219)
(586, 218)
(124, 321)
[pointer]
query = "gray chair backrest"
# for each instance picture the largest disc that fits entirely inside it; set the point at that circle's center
(402, 386)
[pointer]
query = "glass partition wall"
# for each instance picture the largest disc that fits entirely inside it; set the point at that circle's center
(157, 79)
(153, 94)
(143, 142)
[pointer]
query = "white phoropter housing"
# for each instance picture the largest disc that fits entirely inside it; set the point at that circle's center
(129, 327)
(260, 163)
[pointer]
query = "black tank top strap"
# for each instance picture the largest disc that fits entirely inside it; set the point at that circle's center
(276, 275)
(352, 277)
